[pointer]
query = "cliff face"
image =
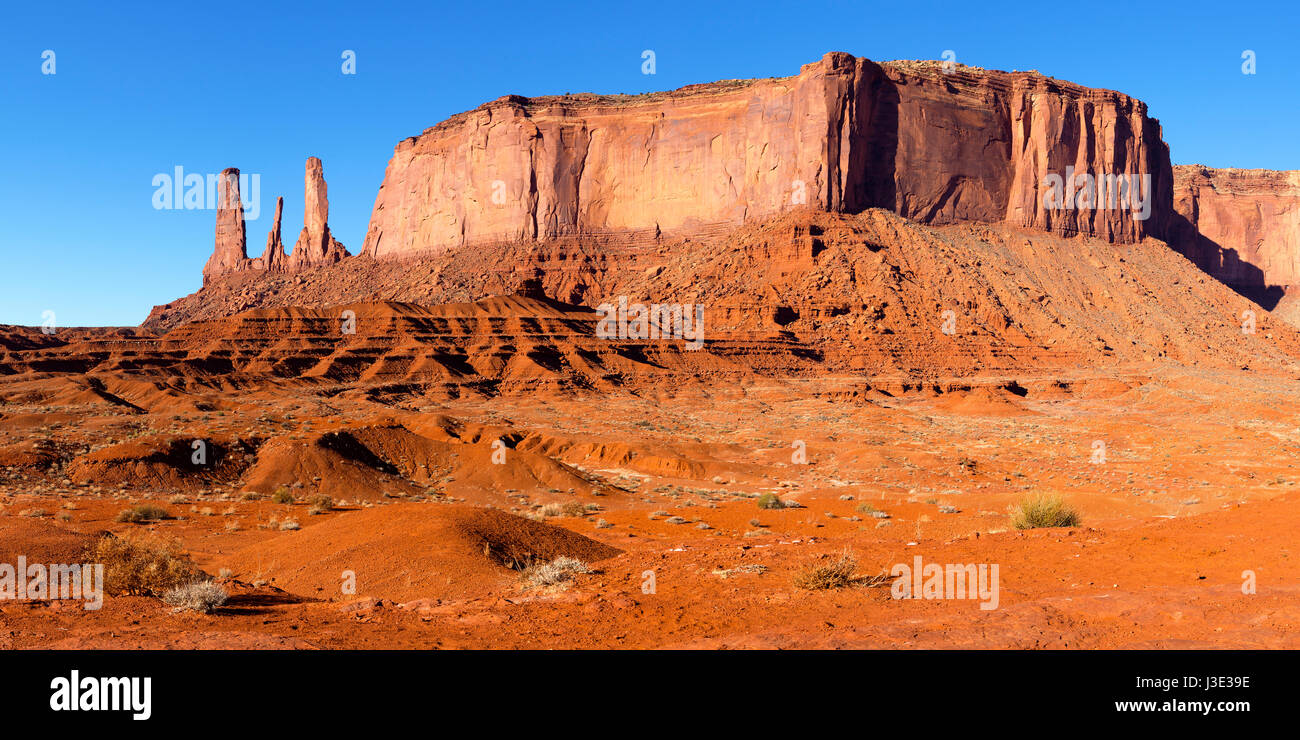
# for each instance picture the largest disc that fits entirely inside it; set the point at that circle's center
(845, 134)
(1241, 226)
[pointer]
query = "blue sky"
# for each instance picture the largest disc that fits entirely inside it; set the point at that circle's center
(206, 86)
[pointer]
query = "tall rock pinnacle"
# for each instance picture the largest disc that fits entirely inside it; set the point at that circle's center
(315, 245)
(273, 258)
(231, 252)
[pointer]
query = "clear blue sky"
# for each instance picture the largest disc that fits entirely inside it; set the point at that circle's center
(217, 84)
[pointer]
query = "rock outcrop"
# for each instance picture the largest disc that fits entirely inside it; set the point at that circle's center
(231, 251)
(315, 245)
(1241, 226)
(935, 145)
(273, 257)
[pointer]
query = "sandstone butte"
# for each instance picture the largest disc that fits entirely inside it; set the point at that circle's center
(935, 145)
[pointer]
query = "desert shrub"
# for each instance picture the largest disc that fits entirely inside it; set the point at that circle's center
(282, 496)
(320, 503)
(770, 501)
(198, 596)
(142, 513)
(141, 565)
(571, 508)
(1044, 511)
(557, 571)
(289, 524)
(819, 577)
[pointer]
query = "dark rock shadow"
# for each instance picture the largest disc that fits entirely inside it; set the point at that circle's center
(1222, 263)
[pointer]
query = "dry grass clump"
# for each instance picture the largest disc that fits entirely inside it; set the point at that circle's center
(142, 513)
(197, 596)
(559, 570)
(570, 508)
(1044, 511)
(142, 565)
(820, 577)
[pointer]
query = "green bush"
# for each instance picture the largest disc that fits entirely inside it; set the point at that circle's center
(1044, 511)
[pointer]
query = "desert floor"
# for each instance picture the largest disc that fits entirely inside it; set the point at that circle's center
(1183, 499)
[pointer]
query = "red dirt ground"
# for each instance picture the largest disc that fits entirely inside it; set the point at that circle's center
(459, 439)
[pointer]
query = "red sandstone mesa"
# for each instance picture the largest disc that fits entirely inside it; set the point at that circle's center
(845, 134)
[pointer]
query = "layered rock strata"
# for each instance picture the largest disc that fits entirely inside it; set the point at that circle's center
(934, 144)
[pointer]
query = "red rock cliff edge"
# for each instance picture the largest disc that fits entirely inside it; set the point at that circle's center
(1241, 226)
(845, 134)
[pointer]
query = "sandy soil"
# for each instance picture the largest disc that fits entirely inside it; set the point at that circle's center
(1192, 494)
